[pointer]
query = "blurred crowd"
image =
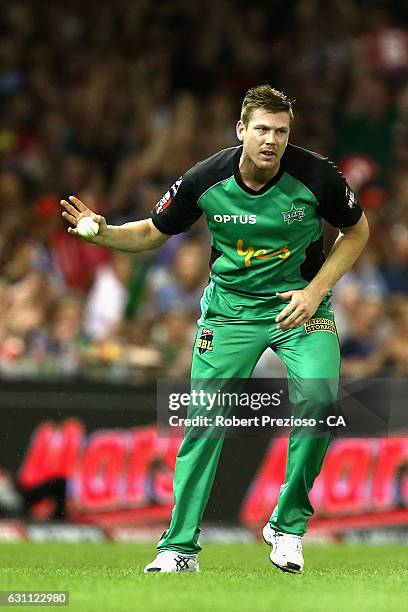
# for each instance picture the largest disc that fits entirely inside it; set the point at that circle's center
(112, 102)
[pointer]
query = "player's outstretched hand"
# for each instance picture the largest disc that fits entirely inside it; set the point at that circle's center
(300, 309)
(75, 210)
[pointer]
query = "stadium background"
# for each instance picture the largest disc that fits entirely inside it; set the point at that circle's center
(113, 102)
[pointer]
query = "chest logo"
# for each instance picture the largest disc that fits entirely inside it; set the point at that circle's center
(252, 252)
(294, 214)
(251, 219)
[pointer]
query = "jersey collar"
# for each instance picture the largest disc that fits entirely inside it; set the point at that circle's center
(268, 185)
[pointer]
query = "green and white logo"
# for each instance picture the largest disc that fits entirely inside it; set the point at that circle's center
(294, 214)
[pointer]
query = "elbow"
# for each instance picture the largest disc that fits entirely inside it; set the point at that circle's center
(359, 232)
(365, 229)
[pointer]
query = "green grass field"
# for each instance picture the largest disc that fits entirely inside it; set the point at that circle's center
(236, 577)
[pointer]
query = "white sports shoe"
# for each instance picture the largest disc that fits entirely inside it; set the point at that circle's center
(169, 561)
(286, 550)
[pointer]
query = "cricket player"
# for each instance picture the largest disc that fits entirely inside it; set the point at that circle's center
(270, 286)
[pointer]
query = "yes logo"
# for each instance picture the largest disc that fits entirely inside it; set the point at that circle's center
(251, 252)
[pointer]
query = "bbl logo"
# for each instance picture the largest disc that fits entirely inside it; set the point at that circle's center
(205, 341)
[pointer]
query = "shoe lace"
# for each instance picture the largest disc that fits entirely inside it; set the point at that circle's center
(298, 544)
(294, 540)
(181, 563)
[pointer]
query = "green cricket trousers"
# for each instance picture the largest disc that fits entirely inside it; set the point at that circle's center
(233, 332)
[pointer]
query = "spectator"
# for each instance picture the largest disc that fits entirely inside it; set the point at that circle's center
(181, 286)
(396, 348)
(107, 297)
(106, 103)
(362, 350)
(395, 266)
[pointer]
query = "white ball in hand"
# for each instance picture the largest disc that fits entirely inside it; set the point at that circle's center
(87, 227)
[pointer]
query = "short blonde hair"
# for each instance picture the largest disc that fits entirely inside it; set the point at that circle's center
(266, 98)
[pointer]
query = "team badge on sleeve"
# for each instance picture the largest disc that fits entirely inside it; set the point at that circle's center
(350, 197)
(205, 341)
(167, 199)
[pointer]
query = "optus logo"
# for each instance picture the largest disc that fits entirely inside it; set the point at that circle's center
(253, 253)
(243, 219)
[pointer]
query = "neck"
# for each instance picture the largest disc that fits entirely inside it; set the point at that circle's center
(255, 177)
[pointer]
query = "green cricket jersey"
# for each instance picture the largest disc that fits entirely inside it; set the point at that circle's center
(262, 241)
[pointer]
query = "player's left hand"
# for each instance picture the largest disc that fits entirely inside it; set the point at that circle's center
(300, 309)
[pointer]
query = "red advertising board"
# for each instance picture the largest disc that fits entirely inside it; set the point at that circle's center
(124, 476)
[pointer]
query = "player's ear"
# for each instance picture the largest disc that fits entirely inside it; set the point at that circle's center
(240, 127)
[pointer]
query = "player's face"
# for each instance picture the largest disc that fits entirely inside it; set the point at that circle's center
(265, 137)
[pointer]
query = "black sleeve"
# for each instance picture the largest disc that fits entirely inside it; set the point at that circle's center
(339, 205)
(178, 209)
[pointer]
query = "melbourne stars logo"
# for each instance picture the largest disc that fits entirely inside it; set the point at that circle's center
(294, 214)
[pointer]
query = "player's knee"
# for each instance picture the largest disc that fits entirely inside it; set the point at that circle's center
(319, 394)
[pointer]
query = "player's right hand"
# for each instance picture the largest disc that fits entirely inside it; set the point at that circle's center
(76, 210)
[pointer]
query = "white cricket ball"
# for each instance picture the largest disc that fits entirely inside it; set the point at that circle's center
(87, 227)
